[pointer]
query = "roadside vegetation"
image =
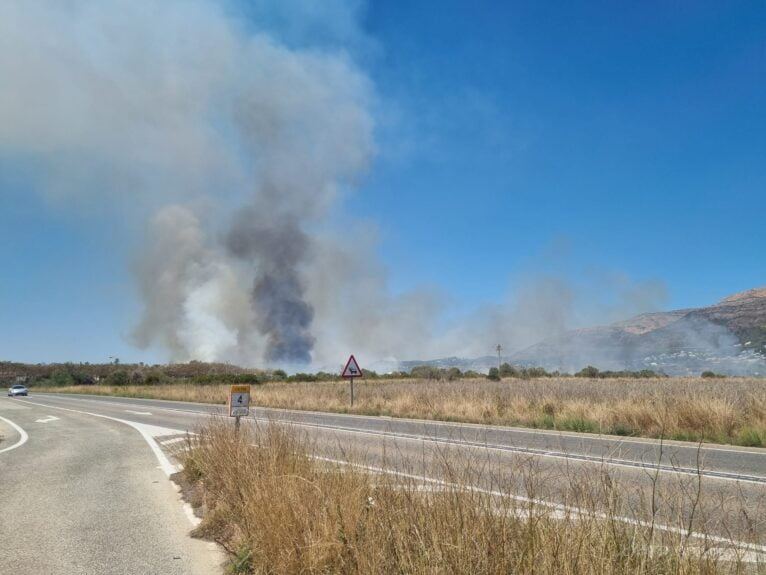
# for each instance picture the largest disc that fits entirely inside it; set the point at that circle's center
(197, 372)
(730, 411)
(277, 508)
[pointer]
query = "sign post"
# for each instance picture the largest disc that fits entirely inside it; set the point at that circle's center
(351, 371)
(239, 402)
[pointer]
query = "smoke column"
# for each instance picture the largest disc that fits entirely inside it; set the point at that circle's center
(226, 141)
(226, 150)
(282, 313)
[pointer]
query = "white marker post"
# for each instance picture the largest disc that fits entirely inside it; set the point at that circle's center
(351, 371)
(239, 402)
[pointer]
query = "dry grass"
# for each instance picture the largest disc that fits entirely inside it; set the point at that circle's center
(713, 410)
(278, 510)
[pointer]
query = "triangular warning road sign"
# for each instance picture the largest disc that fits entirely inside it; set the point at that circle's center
(352, 368)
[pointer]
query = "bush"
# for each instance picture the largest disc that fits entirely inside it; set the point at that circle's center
(119, 377)
(494, 374)
(531, 372)
(153, 379)
(426, 372)
(61, 378)
(453, 373)
(278, 374)
(79, 378)
(588, 371)
(507, 370)
(751, 437)
(303, 377)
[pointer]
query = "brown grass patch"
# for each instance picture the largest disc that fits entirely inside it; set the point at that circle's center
(729, 410)
(278, 510)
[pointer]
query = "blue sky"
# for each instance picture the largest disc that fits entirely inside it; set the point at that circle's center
(580, 140)
(635, 134)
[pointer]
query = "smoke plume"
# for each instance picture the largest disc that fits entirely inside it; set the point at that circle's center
(227, 146)
(227, 142)
(282, 313)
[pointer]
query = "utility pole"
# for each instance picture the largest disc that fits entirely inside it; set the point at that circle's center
(499, 348)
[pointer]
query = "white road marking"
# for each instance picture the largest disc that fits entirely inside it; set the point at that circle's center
(138, 412)
(426, 422)
(172, 441)
(558, 508)
(22, 435)
(149, 433)
(581, 458)
(47, 419)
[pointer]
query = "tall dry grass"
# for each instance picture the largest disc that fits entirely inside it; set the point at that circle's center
(276, 509)
(715, 410)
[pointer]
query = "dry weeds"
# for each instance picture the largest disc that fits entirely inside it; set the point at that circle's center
(276, 509)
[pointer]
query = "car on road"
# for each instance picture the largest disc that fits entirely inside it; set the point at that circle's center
(15, 390)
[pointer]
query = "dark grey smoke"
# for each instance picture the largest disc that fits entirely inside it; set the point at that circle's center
(276, 247)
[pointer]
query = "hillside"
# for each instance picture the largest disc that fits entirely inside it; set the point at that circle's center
(728, 337)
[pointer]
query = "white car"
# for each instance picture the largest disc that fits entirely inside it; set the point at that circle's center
(15, 390)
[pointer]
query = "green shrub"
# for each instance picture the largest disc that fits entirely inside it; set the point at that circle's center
(119, 377)
(61, 378)
(426, 372)
(624, 430)
(751, 437)
(579, 424)
(507, 370)
(588, 371)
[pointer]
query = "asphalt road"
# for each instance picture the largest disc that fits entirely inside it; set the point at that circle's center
(730, 480)
(713, 461)
(84, 495)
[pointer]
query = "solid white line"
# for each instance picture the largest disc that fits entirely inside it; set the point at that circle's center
(146, 432)
(165, 463)
(23, 437)
(579, 458)
(169, 469)
(432, 422)
(465, 444)
(558, 507)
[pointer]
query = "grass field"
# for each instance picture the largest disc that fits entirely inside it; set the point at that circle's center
(731, 410)
(277, 509)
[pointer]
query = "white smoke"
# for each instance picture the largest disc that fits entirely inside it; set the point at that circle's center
(196, 301)
(180, 109)
(230, 147)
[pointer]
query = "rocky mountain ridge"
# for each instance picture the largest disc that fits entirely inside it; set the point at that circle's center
(728, 337)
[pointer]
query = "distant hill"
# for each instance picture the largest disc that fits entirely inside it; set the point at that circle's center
(728, 337)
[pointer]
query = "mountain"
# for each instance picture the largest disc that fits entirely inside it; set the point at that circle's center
(728, 337)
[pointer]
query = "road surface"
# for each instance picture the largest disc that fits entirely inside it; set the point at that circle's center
(731, 480)
(84, 495)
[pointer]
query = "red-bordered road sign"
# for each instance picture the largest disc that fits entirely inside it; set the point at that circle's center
(352, 368)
